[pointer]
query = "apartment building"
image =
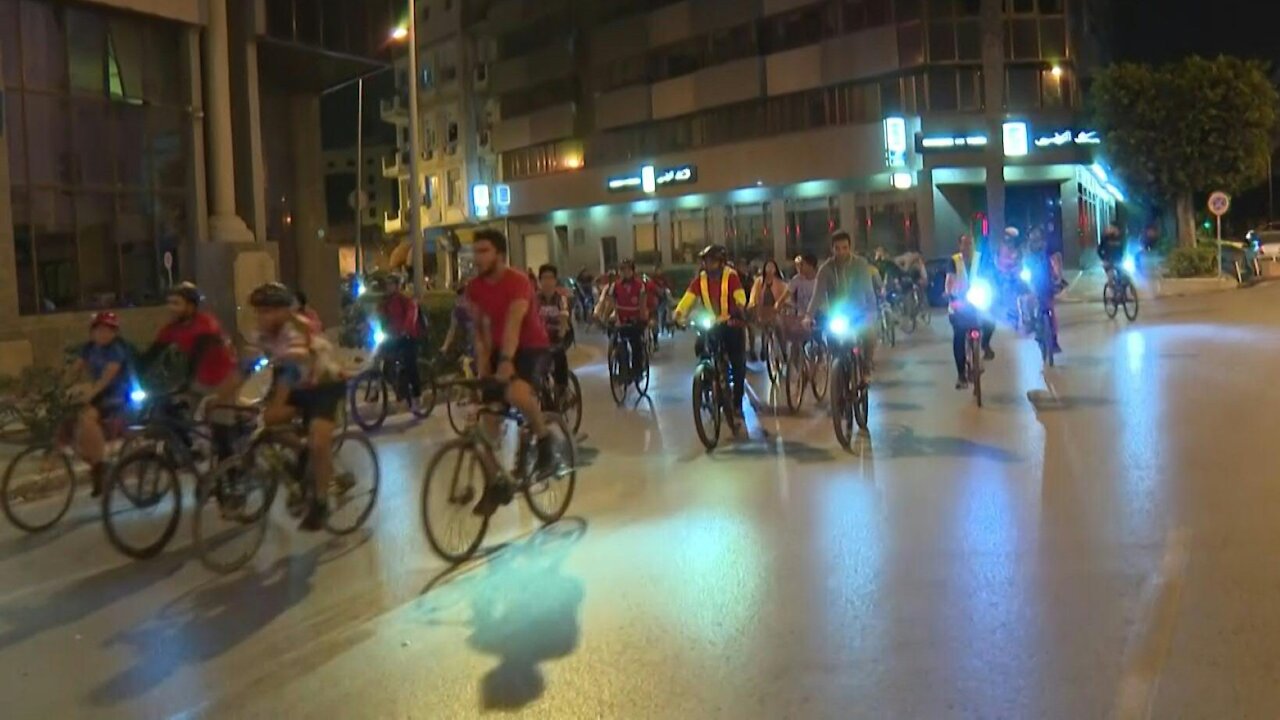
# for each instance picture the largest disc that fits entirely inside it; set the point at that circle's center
(144, 143)
(649, 129)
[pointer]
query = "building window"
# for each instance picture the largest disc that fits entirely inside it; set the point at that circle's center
(1022, 90)
(99, 157)
(1020, 7)
(1050, 7)
(794, 29)
(911, 44)
(968, 41)
(1022, 40)
(943, 96)
(904, 10)
(688, 236)
(1053, 39)
(971, 91)
(1056, 90)
(942, 41)
(646, 241)
(453, 188)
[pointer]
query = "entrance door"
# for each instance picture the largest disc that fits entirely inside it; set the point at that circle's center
(537, 250)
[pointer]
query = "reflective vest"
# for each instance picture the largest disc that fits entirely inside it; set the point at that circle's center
(725, 300)
(962, 273)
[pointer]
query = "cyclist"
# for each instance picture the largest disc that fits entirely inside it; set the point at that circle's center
(512, 347)
(627, 302)
(307, 383)
(309, 312)
(720, 290)
(458, 338)
(966, 265)
(892, 276)
(553, 308)
(1046, 273)
(766, 291)
(198, 337)
(845, 283)
(1111, 249)
(399, 313)
(105, 360)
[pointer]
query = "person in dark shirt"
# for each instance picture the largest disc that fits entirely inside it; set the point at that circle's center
(400, 323)
(553, 308)
(104, 360)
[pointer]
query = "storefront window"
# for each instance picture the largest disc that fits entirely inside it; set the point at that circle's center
(689, 236)
(747, 230)
(646, 241)
(809, 225)
(99, 162)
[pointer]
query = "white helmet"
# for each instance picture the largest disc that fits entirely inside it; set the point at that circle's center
(1011, 232)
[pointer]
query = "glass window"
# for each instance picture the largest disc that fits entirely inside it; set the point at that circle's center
(971, 92)
(24, 250)
(942, 41)
(91, 126)
(1023, 90)
(879, 12)
(853, 15)
(891, 95)
(910, 44)
(646, 243)
(731, 44)
(1020, 7)
(906, 10)
(1050, 7)
(52, 215)
(968, 40)
(167, 147)
(87, 51)
(163, 75)
(127, 52)
(99, 261)
(130, 145)
(793, 29)
(1023, 41)
(10, 47)
(942, 90)
(15, 133)
(1053, 39)
(969, 8)
(44, 53)
(48, 140)
(941, 9)
(1055, 89)
(689, 236)
(454, 188)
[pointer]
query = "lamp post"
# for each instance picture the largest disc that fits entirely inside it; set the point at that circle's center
(410, 34)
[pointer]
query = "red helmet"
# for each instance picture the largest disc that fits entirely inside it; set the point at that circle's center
(106, 318)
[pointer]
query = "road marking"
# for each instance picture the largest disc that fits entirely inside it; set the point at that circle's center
(1149, 642)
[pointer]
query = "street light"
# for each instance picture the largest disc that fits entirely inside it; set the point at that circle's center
(1056, 71)
(400, 33)
(410, 34)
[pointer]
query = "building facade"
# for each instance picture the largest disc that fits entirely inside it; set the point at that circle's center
(143, 143)
(649, 129)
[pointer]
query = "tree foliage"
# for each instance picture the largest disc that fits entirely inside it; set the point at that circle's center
(1187, 127)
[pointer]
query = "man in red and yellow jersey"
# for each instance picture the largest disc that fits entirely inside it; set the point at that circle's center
(723, 298)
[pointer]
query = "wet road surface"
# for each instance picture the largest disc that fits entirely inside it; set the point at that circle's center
(1100, 542)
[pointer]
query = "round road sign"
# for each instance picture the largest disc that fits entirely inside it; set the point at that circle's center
(1219, 203)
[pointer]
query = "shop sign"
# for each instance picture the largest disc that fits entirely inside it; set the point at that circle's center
(895, 142)
(1068, 137)
(924, 144)
(651, 178)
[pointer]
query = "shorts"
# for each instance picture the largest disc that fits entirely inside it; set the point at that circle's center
(108, 407)
(532, 364)
(318, 401)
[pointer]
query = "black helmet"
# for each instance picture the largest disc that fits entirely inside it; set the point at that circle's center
(714, 252)
(272, 295)
(628, 263)
(186, 290)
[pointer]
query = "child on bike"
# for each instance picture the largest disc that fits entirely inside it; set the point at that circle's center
(307, 383)
(105, 360)
(553, 308)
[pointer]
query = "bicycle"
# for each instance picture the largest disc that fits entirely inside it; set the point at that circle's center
(477, 452)
(268, 459)
(888, 324)
(1042, 328)
(566, 401)
(910, 307)
(849, 388)
(621, 375)
(808, 366)
(712, 390)
(1120, 291)
(775, 357)
(461, 403)
(368, 394)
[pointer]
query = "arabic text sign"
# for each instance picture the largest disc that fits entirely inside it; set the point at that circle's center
(651, 178)
(1068, 137)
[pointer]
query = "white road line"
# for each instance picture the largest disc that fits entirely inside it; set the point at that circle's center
(1149, 642)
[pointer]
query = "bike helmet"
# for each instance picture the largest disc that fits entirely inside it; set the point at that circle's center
(106, 319)
(626, 264)
(272, 295)
(186, 290)
(714, 252)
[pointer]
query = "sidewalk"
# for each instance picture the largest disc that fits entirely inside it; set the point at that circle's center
(1086, 285)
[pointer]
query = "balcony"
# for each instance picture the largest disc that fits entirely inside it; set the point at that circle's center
(393, 224)
(552, 123)
(395, 165)
(394, 109)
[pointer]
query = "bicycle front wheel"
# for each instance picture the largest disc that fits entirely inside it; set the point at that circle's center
(842, 404)
(821, 376)
(454, 482)
(571, 404)
(794, 374)
(549, 499)
(356, 480)
(142, 504)
(1130, 301)
(367, 400)
(230, 522)
(975, 367)
(461, 405)
(426, 400)
(706, 407)
(1110, 299)
(38, 487)
(617, 382)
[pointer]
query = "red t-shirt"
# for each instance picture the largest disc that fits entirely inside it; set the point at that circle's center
(627, 296)
(492, 299)
(215, 363)
(651, 293)
(401, 312)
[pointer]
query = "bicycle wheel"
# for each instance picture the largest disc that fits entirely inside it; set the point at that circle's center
(571, 404)
(891, 329)
(617, 385)
(231, 512)
(794, 374)
(821, 364)
(461, 405)
(367, 400)
(38, 487)
(910, 309)
(775, 358)
(841, 404)
(706, 407)
(147, 514)
(1130, 301)
(549, 499)
(1110, 303)
(356, 480)
(861, 396)
(454, 482)
(642, 379)
(975, 366)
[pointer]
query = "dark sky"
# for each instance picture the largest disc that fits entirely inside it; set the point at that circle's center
(1160, 30)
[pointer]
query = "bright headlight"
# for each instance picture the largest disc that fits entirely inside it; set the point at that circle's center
(838, 325)
(1129, 265)
(1025, 275)
(138, 396)
(980, 295)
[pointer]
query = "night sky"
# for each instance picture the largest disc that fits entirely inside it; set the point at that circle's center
(1161, 30)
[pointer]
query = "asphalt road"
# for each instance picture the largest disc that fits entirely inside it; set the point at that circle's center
(1097, 542)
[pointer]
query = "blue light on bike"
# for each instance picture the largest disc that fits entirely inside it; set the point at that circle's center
(1025, 275)
(261, 364)
(360, 288)
(839, 326)
(705, 322)
(378, 335)
(980, 295)
(1129, 265)
(138, 396)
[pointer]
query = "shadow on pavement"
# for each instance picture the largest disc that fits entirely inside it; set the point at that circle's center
(30, 542)
(900, 441)
(213, 619)
(85, 596)
(522, 608)
(801, 452)
(899, 406)
(891, 384)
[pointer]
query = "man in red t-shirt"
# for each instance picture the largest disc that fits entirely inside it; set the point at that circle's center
(400, 320)
(511, 346)
(199, 337)
(629, 297)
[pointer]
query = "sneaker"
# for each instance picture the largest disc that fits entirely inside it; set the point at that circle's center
(988, 354)
(316, 516)
(1056, 347)
(549, 462)
(962, 384)
(495, 496)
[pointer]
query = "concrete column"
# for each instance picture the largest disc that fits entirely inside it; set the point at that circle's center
(8, 262)
(665, 235)
(778, 226)
(317, 269)
(716, 225)
(1071, 250)
(925, 213)
(993, 84)
(224, 224)
(848, 204)
(251, 196)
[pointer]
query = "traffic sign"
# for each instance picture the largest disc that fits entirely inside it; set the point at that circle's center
(1219, 203)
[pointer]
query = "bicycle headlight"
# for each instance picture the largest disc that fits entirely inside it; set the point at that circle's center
(705, 322)
(1025, 275)
(379, 336)
(839, 326)
(262, 363)
(137, 396)
(1129, 265)
(980, 294)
